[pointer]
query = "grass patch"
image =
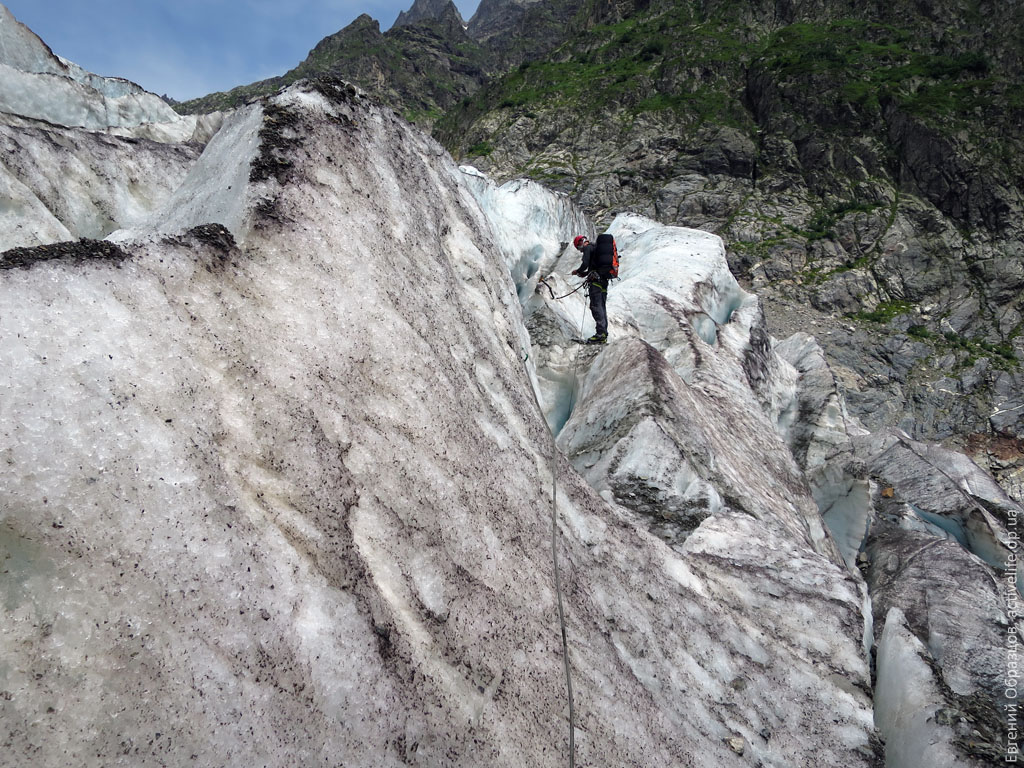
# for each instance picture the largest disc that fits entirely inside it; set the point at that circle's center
(483, 149)
(1002, 352)
(1001, 356)
(422, 115)
(821, 225)
(868, 64)
(886, 312)
(640, 64)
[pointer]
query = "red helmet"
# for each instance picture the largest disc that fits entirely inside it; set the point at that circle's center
(578, 242)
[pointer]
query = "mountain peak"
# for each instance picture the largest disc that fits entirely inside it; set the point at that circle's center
(362, 21)
(425, 10)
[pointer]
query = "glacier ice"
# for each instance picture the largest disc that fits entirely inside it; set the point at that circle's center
(531, 224)
(83, 155)
(930, 531)
(64, 183)
(820, 433)
(936, 489)
(279, 492)
(909, 705)
(42, 86)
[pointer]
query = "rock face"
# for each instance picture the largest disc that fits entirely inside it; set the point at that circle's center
(494, 17)
(424, 10)
(519, 31)
(422, 66)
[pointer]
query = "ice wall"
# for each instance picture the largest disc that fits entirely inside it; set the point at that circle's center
(682, 429)
(83, 155)
(911, 710)
(42, 86)
(63, 183)
(532, 225)
(820, 435)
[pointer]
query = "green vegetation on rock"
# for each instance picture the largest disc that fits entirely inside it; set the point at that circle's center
(888, 311)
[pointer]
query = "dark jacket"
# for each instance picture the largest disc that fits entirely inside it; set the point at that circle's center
(592, 262)
(588, 259)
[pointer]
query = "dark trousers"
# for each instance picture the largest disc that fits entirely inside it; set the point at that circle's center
(598, 297)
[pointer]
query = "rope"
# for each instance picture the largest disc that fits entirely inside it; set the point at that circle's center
(554, 553)
(543, 281)
(561, 610)
(554, 543)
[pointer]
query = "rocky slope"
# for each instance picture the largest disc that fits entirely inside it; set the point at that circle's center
(429, 60)
(863, 166)
(518, 31)
(422, 66)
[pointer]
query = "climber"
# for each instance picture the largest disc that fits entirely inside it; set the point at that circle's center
(600, 264)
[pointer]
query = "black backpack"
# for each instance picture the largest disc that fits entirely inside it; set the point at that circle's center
(606, 255)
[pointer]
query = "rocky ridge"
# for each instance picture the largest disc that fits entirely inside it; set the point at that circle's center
(426, 10)
(429, 60)
(421, 66)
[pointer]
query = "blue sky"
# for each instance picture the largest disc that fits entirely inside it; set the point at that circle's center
(188, 48)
